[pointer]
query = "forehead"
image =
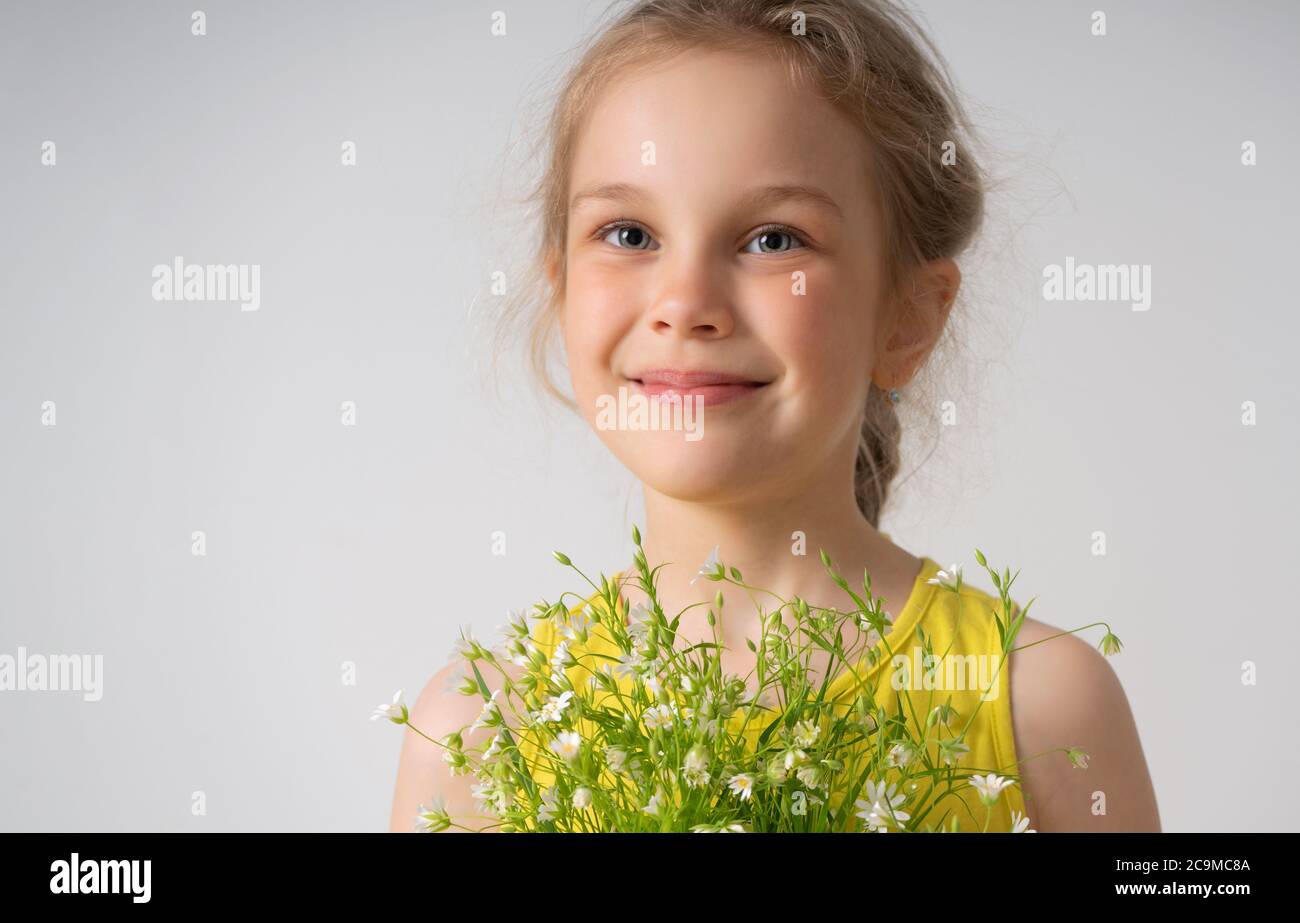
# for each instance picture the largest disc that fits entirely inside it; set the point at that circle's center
(718, 122)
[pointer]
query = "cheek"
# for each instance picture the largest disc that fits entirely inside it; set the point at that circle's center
(824, 340)
(594, 320)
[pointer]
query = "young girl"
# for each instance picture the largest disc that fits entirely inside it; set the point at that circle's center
(757, 204)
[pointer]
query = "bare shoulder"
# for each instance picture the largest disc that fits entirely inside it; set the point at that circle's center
(1065, 694)
(423, 773)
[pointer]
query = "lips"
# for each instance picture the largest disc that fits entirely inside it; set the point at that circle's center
(713, 387)
(682, 378)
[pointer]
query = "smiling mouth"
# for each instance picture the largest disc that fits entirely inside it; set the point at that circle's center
(711, 395)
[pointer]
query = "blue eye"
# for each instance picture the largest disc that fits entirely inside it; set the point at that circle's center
(773, 236)
(629, 236)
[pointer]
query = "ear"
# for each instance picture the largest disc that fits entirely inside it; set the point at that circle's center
(553, 267)
(917, 322)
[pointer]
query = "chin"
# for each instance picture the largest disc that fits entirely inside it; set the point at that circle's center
(696, 472)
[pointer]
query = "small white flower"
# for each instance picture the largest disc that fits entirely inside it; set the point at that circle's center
(950, 578)
(697, 759)
(742, 784)
(876, 816)
(658, 716)
(516, 624)
(554, 708)
(1020, 824)
(712, 567)
(467, 647)
(900, 754)
(629, 665)
(639, 619)
(794, 758)
(572, 624)
(546, 811)
(652, 806)
(809, 776)
(879, 808)
(805, 733)
(879, 792)
(456, 761)
(714, 828)
(561, 657)
(695, 768)
(432, 819)
(495, 747)
(462, 684)
(709, 726)
(990, 787)
(482, 792)
(567, 744)
(616, 757)
(582, 798)
(520, 654)
(394, 711)
(490, 716)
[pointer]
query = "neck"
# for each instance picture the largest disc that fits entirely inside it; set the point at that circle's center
(775, 541)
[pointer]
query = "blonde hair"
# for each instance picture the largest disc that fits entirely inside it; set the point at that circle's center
(874, 63)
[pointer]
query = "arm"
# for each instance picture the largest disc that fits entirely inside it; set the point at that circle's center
(1064, 693)
(422, 772)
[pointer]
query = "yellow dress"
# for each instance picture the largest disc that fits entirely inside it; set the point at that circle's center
(964, 639)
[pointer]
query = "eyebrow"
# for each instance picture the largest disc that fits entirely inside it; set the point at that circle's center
(763, 195)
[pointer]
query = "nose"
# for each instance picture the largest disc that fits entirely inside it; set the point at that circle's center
(693, 300)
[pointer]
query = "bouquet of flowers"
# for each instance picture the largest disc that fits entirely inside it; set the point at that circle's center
(659, 740)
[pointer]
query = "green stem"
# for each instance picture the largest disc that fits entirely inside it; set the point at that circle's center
(1059, 634)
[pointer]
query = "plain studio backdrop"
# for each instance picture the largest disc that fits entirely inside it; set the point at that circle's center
(341, 560)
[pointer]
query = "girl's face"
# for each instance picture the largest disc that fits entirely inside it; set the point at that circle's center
(721, 220)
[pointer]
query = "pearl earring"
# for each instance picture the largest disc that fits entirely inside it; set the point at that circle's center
(894, 395)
